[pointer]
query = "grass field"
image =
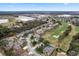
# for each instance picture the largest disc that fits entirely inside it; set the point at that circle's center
(49, 35)
(66, 41)
(59, 29)
(77, 28)
(9, 23)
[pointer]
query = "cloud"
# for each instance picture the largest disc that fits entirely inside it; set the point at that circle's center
(66, 3)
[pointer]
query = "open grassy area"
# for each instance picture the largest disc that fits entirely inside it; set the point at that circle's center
(77, 28)
(66, 41)
(10, 23)
(59, 29)
(49, 35)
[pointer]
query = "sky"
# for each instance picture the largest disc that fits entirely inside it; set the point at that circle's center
(39, 6)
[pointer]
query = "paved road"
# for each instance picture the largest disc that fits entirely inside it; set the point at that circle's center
(31, 49)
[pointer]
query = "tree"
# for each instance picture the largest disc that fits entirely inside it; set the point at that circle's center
(3, 43)
(59, 22)
(74, 46)
(64, 34)
(4, 31)
(46, 42)
(9, 52)
(39, 50)
(34, 43)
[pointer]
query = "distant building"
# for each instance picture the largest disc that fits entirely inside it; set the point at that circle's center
(48, 50)
(20, 52)
(4, 21)
(24, 18)
(75, 21)
(40, 31)
(61, 54)
(41, 16)
(64, 15)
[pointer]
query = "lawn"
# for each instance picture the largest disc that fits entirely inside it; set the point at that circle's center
(66, 42)
(9, 23)
(77, 28)
(59, 29)
(51, 34)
